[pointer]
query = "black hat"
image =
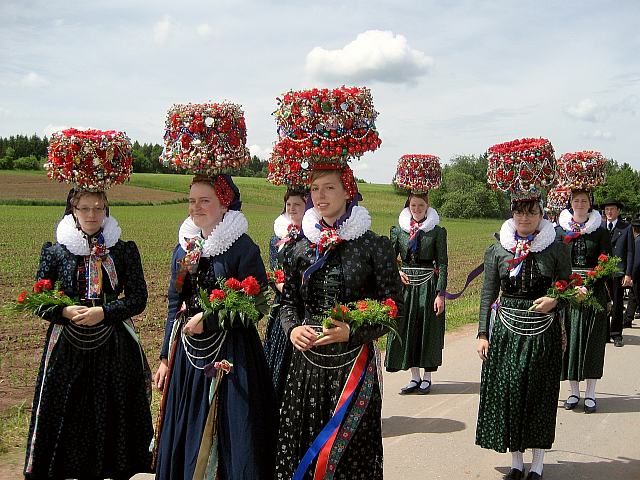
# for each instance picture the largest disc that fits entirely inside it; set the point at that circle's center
(635, 223)
(617, 203)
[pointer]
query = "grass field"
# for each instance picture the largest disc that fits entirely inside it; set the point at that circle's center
(154, 229)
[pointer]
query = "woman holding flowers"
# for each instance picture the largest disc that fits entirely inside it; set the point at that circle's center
(520, 333)
(287, 230)
(580, 227)
(218, 415)
(421, 245)
(90, 416)
(330, 416)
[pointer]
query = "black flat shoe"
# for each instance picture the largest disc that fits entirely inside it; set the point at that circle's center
(533, 476)
(571, 405)
(425, 390)
(514, 474)
(410, 389)
(618, 342)
(588, 409)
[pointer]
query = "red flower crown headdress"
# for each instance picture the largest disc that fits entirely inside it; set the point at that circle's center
(557, 199)
(582, 170)
(91, 160)
(521, 167)
(205, 138)
(418, 173)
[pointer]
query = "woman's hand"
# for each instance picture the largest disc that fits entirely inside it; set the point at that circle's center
(404, 278)
(161, 374)
(438, 305)
(194, 326)
(89, 317)
(279, 286)
(303, 337)
(544, 304)
(482, 348)
(71, 311)
(339, 333)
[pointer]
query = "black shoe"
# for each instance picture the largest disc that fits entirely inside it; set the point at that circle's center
(533, 476)
(617, 341)
(514, 474)
(410, 389)
(424, 390)
(571, 405)
(588, 409)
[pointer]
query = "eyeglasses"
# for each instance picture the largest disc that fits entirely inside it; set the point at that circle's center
(525, 214)
(88, 210)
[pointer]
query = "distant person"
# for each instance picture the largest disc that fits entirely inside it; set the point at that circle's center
(520, 329)
(287, 232)
(421, 245)
(91, 415)
(634, 294)
(580, 226)
(622, 246)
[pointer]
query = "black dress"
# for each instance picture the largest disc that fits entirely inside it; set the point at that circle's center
(246, 412)
(356, 269)
(91, 416)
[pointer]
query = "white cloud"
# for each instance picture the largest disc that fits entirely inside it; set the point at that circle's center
(586, 109)
(599, 135)
(204, 30)
(162, 29)
(373, 55)
(51, 128)
(261, 153)
(33, 80)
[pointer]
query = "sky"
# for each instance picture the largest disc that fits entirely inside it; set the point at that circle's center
(447, 77)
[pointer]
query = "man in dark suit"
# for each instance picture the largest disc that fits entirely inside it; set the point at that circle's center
(634, 295)
(622, 246)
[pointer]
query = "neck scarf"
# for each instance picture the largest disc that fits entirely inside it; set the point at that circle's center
(522, 246)
(286, 230)
(575, 229)
(409, 225)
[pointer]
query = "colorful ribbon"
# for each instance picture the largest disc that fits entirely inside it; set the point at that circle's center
(414, 228)
(470, 278)
(321, 446)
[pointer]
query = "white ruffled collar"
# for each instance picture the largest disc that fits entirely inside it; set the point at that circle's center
(353, 227)
(541, 241)
(404, 220)
(231, 228)
(593, 222)
(281, 225)
(74, 239)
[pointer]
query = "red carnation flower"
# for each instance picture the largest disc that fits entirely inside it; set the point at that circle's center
(591, 274)
(217, 295)
(362, 306)
(279, 276)
(603, 257)
(251, 286)
(233, 284)
(393, 313)
(575, 279)
(561, 285)
(22, 297)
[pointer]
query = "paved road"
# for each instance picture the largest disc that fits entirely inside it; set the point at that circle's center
(432, 436)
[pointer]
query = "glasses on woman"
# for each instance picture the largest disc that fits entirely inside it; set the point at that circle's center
(88, 210)
(525, 214)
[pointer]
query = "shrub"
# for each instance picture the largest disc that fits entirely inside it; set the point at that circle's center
(27, 163)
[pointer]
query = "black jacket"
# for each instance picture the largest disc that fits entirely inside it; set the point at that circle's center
(622, 245)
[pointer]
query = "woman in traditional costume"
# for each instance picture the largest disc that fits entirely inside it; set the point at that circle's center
(287, 231)
(218, 414)
(580, 227)
(520, 331)
(91, 415)
(330, 416)
(421, 244)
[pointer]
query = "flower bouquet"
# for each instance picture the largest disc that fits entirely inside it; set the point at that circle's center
(607, 266)
(44, 299)
(364, 312)
(277, 276)
(234, 301)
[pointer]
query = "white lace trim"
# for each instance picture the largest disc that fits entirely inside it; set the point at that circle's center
(542, 240)
(281, 225)
(404, 220)
(231, 228)
(593, 222)
(68, 234)
(353, 227)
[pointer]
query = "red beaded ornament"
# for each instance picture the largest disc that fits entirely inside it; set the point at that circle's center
(418, 173)
(557, 199)
(582, 170)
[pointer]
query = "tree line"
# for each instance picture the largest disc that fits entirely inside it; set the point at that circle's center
(464, 192)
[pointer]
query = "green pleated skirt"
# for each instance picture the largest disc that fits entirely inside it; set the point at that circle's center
(520, 386)
(420, 329)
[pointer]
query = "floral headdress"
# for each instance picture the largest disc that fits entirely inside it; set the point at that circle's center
(521, 167)
(90, 160)
(582, 170)
(287, 172)
(557, 199)
(418, 173)
(326, 126)
(205, 138)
